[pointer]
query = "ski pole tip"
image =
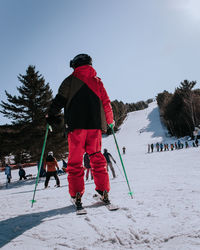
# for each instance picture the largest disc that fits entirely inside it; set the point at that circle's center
(32, 201)
(131, 194)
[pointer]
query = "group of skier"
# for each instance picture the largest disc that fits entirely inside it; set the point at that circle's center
(22, 173)
(159, 147)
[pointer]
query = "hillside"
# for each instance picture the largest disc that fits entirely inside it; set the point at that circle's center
(164, 213)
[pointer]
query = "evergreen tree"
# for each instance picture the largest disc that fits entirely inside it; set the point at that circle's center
(33, 101)
(27, 111)
(180, 111)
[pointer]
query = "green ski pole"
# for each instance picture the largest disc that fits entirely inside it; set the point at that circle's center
(130, 192)
(40, 163)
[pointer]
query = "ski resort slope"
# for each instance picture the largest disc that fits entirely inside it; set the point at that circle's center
(164, 213)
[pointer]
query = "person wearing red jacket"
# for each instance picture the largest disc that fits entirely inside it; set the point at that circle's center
(87, 111)
(51, 167)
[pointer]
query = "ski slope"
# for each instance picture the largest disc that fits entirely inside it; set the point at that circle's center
(164, 213)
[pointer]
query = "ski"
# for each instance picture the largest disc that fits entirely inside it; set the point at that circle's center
(79, 211)
(110, 206)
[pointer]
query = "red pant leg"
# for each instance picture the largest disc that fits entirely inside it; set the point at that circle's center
(97, 160)
(75, 170)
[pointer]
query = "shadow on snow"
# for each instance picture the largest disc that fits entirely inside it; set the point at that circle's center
(14, 227)
(155, 125)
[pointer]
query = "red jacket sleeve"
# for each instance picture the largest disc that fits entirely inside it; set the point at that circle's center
(106, 105)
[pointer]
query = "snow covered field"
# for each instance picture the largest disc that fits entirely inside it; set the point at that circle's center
(164, 214)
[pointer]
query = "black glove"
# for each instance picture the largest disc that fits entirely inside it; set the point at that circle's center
(54, 120)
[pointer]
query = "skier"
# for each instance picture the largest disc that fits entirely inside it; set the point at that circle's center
(124, 150)
(157, 146)
(87, 166)
(149, 147)
(42, 169)
(8, 173)
(51, 165)
(64, 167)
(87, 111)
(109, 163)
(152, 146)
(179, 144)
(197, 142)
(22, 173)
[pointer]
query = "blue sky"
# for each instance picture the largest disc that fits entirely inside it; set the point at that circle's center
(139, 47)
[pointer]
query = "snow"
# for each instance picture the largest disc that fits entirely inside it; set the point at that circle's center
(164, 213)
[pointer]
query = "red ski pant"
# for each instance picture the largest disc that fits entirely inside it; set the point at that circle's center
(79, 142)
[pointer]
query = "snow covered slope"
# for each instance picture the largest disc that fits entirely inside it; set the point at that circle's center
(164, 213)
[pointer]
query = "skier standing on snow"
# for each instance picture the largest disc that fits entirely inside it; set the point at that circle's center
(124, 150)
(152, 146)
(87, 111)
(8, 173)
(86, 160)
(51, 165)
(22, 173)
(157, 146)
(108, 156)
(149, 147)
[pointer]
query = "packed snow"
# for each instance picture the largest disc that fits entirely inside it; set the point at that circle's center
(163, 214)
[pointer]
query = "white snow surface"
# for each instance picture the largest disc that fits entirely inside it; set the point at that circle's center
(163, 214)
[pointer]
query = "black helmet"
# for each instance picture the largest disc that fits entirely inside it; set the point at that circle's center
(80, 60)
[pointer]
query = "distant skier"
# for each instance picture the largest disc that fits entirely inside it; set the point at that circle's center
(149, 148)
(108, 157)
(179, 144)
(157, 146)
(22, 173)
(186, 144)
(86, 160)
(161, 147)
(124, 150)
(51, 165)
(197, 142)
(87, 111)
(8, 173)
(172, 146)
(152, 146)
(42, 170)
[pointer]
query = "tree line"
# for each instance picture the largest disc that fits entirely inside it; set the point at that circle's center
(24, 137)
(180, 111)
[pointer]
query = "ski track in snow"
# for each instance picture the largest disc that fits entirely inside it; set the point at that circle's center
(164, 213)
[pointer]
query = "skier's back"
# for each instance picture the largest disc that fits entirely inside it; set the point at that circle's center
(108, 157)
(52, 166)
(87, 111)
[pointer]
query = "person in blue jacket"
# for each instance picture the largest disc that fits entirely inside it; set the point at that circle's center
(8, 172)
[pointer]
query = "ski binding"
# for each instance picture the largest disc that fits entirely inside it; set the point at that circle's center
(109, 206)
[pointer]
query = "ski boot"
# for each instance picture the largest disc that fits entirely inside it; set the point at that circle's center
(104, 196)
(78, 202)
